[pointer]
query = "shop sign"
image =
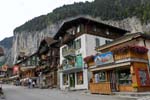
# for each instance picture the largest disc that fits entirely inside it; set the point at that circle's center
(104, 58)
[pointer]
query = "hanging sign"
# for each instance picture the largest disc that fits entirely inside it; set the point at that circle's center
(104, 58)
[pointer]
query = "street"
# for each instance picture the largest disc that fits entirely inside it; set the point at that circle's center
(23, 93)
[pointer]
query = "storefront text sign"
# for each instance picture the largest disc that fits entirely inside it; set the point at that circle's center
(104, 58)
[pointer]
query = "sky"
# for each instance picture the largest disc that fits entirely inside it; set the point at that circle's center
(14, 13)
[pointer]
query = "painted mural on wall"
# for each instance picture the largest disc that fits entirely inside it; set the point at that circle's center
(104, 58)
(143, 76)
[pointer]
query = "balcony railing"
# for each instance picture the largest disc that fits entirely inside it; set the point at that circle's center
(70, 66)
(70, 52)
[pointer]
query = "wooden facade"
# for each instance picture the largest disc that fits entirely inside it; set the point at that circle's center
(48, 53)
(129, 72)
(87, 26)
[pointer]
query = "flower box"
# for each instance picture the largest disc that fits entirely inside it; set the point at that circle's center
(89, 59)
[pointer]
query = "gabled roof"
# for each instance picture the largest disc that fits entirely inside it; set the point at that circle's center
(83, 19)
(123, 39)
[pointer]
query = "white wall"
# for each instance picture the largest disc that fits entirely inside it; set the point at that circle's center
(91, 43)
(88, 45)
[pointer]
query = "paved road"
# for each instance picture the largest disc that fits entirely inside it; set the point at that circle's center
(23, 93)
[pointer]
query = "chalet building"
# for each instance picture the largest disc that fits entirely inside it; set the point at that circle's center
(2, 57)
(121, 66)
(79, 37)
(48, 54)
(2, 61)
(25, 69)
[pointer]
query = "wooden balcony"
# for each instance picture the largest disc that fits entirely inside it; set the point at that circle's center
(70, 52)
(130, 54)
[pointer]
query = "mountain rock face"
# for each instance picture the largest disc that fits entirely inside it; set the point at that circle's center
(28, 42)
(132, 15)
(6, 44)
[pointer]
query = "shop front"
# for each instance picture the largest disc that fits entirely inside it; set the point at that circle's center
(73, 79)
(125, 71)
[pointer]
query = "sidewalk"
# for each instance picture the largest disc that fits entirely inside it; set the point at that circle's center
(136, 95)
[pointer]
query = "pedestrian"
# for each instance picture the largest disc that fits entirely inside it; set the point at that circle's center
(30, 83)
(33, 84)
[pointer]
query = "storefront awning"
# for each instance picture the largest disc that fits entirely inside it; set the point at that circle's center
(110, 66)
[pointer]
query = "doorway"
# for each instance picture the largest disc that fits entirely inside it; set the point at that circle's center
(72, 79)
(113, 81)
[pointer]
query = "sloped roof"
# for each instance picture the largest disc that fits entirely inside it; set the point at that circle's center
(83, 19)
(48, 40)
(122, 39)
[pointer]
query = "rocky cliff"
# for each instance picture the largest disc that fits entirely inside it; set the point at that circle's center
(28, 42)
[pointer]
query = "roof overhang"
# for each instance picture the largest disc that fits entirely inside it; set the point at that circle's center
(84, 20)
(108, 67)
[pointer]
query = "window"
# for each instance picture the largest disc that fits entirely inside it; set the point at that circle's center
(71, 45)
(28, 62)
(65, 79)
(107, 32)
(78, 29)
(97, 42)
(100, 77)
(64, 49)
(79, 78)
(94, 28)
(78, 44)
(125, 77)
(73, 32)
(107, 41)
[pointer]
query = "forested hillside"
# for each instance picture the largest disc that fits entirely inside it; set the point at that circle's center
(105, 9)
(7, 43)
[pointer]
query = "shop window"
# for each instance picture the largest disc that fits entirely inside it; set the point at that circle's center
(100, 77)
(125, 77)
(65, 79)
(79, 78)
